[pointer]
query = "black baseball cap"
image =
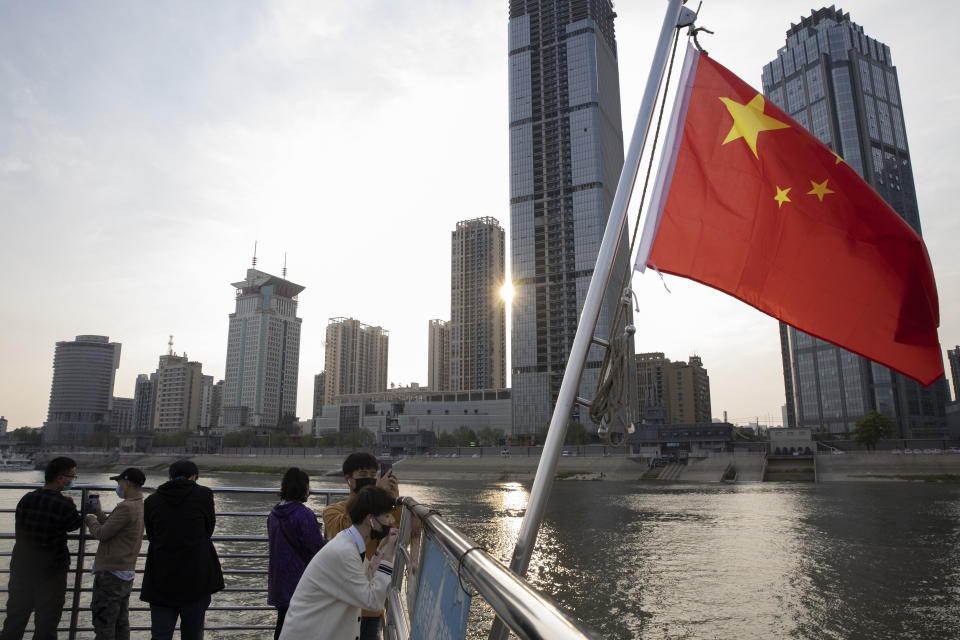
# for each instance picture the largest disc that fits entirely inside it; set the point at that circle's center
(133, 475)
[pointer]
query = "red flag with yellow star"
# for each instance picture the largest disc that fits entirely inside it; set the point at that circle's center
(749, 202)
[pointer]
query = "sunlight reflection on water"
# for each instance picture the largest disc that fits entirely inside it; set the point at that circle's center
(688, 561)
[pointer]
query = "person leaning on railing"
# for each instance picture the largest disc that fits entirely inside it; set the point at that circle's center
(340, 580)
(38, 568)
(361, 469)
(295, 537)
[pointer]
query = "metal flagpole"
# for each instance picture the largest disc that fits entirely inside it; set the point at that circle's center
(676, 16)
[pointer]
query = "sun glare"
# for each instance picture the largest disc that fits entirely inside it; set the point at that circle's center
(506, 292)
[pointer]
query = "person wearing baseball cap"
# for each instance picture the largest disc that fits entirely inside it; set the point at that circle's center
(120, 535)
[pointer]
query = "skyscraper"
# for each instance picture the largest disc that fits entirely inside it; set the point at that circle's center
(121, 415)
(319, 399)
(143, 403)
(566, 152)
(178, 398)
(672, 392)
(841, 85)
(438, 355)
(477, 312)
(954, 356)
(81, 393)
(355, 358)
(263, 353)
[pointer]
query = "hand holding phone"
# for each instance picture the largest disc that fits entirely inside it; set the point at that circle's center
(93, 503)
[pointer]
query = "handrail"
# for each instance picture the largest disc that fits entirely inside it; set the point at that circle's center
(526, 612)
(81, 538)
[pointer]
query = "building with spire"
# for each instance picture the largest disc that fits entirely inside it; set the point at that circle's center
(841, 84)
(263, 353)
(566, 152)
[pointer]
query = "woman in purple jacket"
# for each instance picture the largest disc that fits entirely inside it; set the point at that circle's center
(295, 537)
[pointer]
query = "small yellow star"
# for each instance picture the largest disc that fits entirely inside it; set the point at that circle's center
(819, 189)
(838, 158)
(749, 120)
(782, 197)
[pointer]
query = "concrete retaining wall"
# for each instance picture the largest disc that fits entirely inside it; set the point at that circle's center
(883, 466)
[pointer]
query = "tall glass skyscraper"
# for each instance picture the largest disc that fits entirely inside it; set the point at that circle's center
(841, 85)
(566, 152)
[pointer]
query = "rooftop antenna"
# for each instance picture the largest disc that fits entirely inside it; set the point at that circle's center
(284, 264)
(254, 253)
(170, 346)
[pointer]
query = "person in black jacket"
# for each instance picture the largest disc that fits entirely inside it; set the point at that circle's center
(182, 568)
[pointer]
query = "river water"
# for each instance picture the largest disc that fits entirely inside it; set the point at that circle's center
(783, 560)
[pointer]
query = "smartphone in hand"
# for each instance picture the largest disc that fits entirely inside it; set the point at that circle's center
(385, 468)
(93, 503)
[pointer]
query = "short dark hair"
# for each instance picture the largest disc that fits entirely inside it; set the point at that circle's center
(295, 485)
(183, 469)
(369, 501)
(57, 467)
(359, 460)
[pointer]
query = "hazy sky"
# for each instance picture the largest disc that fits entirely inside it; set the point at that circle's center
(145, 146)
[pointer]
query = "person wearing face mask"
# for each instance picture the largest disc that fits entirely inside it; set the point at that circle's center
(340, 581)
(40, 559)
(360, 469)
(120, 535)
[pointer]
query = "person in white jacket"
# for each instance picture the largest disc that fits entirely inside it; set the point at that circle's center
(339, 581)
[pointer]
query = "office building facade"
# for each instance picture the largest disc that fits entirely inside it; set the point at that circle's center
(355, 360)
(438, 355)
(566, 152)
(263, 353)
(319, 388)
(954, 356)
(178, 398)
(143, 403)
(841, 85)
(477, 312)
(121, 415)
(81, 393)
(672, 392)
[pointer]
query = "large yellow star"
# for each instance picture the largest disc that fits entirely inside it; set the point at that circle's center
(819, 189)
(749, 120)
(782, 197)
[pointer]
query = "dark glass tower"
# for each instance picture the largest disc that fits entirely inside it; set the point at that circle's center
(841, 85)
(566, 152)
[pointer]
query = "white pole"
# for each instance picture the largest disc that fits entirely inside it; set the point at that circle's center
(543, 481)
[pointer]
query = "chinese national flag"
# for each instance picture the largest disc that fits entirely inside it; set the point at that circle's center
(749, 202)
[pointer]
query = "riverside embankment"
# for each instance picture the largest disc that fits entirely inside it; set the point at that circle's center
(850, 467)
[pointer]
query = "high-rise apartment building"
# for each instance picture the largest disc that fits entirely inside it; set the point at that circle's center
(355, 358)
(178, 397)
(3, 426)
(438, 355)
(206, 402)
(566, 152)
(319, 398)
(143, 403)
(672, 392)
(263, 353)
(81, 393)
(841, 85)
(121, 415)
(954, 356)
(477, 312)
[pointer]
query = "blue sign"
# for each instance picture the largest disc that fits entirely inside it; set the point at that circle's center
(442, 605)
